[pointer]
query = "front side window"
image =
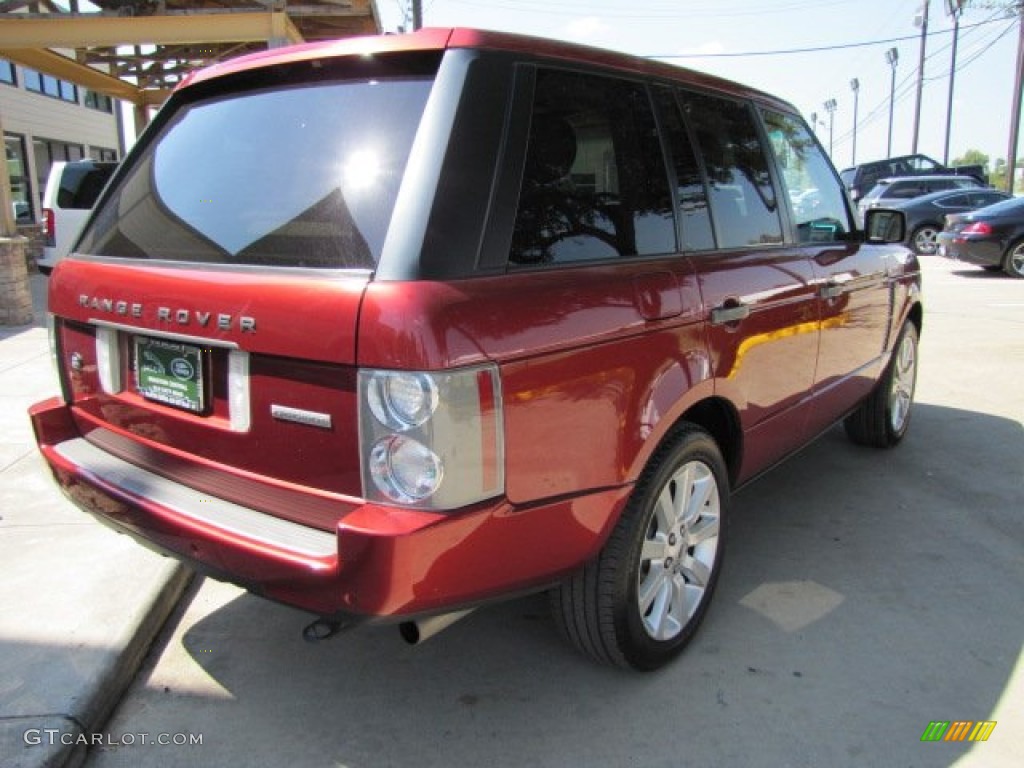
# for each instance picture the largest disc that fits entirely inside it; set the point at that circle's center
(595, 185)
(743, 201)
(816, 196)
(954, 201)
(300, 176)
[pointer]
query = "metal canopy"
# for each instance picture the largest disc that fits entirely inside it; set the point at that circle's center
(137, 50)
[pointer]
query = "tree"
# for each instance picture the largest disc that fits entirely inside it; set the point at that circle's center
(973, 157)
(997, 178)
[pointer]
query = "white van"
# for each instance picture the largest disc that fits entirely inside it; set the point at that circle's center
(70, 193)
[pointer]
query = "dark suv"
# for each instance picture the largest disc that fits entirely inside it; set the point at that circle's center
(861, 178)
(387, 329)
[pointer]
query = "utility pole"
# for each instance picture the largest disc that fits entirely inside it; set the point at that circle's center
(417, 14)
(920, 73)
(954, 8)
(1018, 83)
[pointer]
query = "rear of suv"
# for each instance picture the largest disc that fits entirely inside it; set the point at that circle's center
(387, 329)
(71, 191)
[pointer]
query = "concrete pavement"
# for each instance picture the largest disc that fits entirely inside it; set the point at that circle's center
(79, 606)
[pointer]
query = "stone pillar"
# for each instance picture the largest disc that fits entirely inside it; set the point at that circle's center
(15, 295)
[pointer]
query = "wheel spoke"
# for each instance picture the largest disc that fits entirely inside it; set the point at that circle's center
(700, 491)
(704, 530)
(665, 510)
(696, 572)
(655, 584)
(654, 550)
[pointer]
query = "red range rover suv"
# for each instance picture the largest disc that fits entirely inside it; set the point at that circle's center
(389, 328)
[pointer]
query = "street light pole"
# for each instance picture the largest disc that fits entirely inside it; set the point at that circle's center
(920, 72)
(830, 107)
(954, 8)
(855, 87)
(893, 57)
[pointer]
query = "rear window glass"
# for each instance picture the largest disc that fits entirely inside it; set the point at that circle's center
(80, 185)
(297, 176)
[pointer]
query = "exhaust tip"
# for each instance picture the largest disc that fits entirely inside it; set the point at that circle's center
(416, 632)
(410, 632)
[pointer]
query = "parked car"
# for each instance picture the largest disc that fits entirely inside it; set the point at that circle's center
(861, 178)
(891, 191)
(926, 214)
(386, 329)
(71, 191)
(991, 237)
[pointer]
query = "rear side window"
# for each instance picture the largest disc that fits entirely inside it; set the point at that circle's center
(80, 185)
(980, 199)
(743, 201)
(293, 176)
(910, 190)
(817, 198)
(594, 184)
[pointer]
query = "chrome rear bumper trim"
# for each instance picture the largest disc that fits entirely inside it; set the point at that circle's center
(197, 506)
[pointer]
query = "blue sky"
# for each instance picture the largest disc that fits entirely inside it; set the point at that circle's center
(693, 29)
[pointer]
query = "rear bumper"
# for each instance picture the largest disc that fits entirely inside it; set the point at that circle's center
(379, 562)
(986, 253)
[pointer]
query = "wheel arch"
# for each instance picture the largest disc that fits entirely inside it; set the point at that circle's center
(719, 418)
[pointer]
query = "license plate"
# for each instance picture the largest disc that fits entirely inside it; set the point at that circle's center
(170, 372)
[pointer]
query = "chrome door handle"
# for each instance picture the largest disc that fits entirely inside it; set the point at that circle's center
(832, 290)
(729, 314)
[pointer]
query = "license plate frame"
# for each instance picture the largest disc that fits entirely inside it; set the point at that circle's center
(170, 373)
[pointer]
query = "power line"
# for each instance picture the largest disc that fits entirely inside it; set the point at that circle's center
(814, 49)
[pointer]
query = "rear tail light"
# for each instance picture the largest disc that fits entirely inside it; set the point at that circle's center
(431, 440)
(977, 228)
(49, 228)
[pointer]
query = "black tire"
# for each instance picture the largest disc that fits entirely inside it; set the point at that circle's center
(883, 418)
(1013, 261)
(665, 552)
(923, 239)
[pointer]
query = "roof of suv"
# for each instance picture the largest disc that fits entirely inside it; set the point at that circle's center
(439, 39)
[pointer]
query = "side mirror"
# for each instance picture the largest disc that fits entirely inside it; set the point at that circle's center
(885, 225)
